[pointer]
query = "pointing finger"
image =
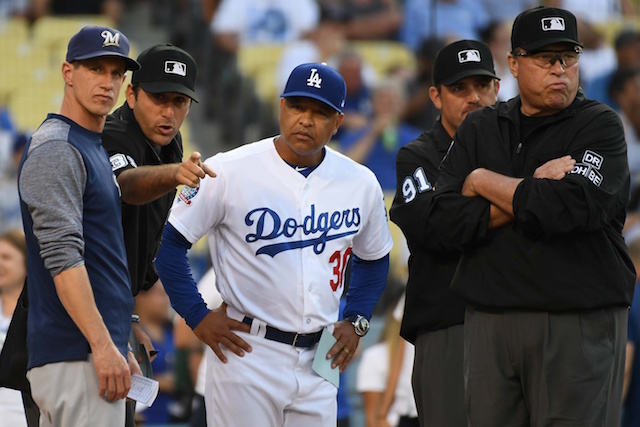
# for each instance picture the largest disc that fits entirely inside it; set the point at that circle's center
(195, 157)
(208, 170)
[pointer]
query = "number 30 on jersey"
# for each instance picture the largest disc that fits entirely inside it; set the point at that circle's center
(412, 185)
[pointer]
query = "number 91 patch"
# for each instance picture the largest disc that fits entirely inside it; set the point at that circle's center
(412, 185)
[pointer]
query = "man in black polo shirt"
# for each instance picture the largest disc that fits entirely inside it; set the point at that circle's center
(544, 271)
(144, 144)
(464, 80)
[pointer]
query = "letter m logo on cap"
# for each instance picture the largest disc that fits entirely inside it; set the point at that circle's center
(469, 55)
(553, 24)
(110, 39)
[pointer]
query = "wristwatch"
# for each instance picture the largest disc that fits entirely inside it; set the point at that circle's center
(360, 324)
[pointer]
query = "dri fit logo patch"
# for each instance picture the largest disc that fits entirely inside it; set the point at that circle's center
(589, 167)
(553, 24)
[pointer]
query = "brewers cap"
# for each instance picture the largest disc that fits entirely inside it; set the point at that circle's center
(318, 81)
(461, 59)
(96, 41)
(166, 68)
(542, 26)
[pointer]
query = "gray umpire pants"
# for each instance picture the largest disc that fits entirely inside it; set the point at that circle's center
(544, 369)
(438, 381)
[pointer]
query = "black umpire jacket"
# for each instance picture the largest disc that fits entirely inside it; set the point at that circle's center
(142, 225)
(565, 250)
(429, 304)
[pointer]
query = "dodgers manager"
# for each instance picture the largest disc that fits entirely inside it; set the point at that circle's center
(282, 217)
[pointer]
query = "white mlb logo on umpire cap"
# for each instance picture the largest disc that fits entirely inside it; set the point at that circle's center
(469, 55)
(175, 67)
(553, 24)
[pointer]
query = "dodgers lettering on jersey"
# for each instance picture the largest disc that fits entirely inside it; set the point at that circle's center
(269, 226)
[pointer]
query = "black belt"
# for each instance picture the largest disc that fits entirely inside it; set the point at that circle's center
(292, 338)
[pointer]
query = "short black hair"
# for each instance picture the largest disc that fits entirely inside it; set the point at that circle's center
(487, 33)
(626, 37)
(620, 79)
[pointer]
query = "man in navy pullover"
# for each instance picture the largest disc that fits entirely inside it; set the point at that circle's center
(79, 288)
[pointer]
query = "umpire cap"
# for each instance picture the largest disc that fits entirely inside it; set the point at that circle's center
(94, 41)
(541, 26)
(462, 59)
(166, 68)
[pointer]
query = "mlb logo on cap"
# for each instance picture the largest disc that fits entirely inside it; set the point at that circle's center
(166, 68)
(542, 26)
(175, 67)
(470, 55)
(462, 59)
(318, 81)
(553, 24)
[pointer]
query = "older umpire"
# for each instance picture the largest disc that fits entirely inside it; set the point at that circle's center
(544, 270)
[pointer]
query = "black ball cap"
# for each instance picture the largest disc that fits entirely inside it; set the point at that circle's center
(542, 26)
(462, 59)
(166, 68)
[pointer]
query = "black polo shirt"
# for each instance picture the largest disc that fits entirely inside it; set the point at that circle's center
(142, 225)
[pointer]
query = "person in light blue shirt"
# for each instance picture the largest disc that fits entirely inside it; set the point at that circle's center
(451, 19)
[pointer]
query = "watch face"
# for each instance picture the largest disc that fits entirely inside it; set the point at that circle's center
(361, 325)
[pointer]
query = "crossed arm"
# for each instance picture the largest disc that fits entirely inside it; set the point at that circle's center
(499, 189)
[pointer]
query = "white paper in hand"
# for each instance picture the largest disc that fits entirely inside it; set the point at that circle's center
(143, 389)
(322, 365)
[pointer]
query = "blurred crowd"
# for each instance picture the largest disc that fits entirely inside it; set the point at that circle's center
(387, 106)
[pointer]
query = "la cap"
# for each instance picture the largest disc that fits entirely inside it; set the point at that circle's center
(462, 59)
(318, 81)
(95, 41)
(542, 26)
(166, 68)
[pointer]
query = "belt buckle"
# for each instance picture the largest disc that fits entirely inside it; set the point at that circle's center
(295, 339)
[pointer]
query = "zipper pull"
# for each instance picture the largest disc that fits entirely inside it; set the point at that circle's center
(519, 148)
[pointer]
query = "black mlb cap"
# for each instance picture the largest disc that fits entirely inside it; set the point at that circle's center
(462, 59)
(166, 68)
(541, 26)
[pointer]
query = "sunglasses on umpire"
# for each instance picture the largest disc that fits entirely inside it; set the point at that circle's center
(547, 58)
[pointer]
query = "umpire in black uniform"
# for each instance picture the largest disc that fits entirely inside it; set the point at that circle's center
(533, 191)
(464, 81)
(144, 144)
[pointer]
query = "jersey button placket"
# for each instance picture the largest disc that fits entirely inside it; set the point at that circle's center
(305, 254)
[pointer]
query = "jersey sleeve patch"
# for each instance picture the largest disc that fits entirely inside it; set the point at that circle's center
(413, 185)
(119, 161)
(187, 194)
(589, 167)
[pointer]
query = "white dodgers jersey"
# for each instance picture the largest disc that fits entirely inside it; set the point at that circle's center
(280, 242)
